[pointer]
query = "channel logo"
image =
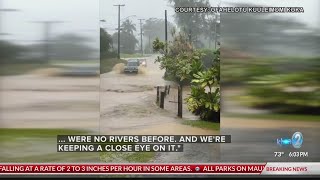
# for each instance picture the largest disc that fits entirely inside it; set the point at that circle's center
(296, 140)
(283, 141)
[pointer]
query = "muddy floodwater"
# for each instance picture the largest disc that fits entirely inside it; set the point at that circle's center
(124, 104)
(114, 103)
(127, 106)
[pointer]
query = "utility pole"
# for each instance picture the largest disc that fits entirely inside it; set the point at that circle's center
(189, 36)
(215, 27)
(141, 43)
(166, 30)
(150, 45)
(119, 5)
(215, 32)
(4, 10)
(47, 26)
(149, 40)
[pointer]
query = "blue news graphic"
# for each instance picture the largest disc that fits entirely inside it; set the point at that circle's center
(283, 141)
(296, 140)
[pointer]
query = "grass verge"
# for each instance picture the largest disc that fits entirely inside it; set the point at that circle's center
(202, 124)
(127, 157)
(8, 134)
(289, 117)
(136, 55)
(141, 157)
(38, 145)
(22, 68)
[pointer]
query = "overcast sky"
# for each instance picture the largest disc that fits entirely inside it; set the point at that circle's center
(82, 16)
(311, 8)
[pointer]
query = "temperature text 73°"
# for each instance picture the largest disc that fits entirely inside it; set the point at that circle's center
(278, 154)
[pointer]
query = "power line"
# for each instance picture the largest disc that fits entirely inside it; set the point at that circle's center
(217, 15)
(141, 42)
(166, 30)
(119, 5)
(47, 26)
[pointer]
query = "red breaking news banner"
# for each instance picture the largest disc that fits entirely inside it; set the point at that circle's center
(273, 168)
(130, 168)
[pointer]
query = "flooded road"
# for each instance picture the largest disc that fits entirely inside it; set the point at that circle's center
(127, 105)
(33, 101)
(119, 103)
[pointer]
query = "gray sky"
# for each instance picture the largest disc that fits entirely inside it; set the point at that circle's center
(155, 8)
(82, 16)
(311, 8)
(143, 9)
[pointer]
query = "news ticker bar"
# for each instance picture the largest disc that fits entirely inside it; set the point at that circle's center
(216, 168)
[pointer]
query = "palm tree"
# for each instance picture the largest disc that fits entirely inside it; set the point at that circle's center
(128, 27)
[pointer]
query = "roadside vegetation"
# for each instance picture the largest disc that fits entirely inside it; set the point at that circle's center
(273, 116)
(135, 55)
(38, 145)
(127, 157)
(43, 148)
(184, 65)
(282, 85)
(202, 124)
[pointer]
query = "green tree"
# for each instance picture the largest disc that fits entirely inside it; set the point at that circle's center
(128, 27)
(127, 39)
(127, 42)
(9, 52)
(193, 24)
(180, 60)
(183, 64)
(71, 46)
(105, 43)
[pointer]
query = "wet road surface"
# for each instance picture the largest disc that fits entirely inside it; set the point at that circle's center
(128, 107)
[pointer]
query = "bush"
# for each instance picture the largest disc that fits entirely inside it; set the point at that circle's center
(286, 93)
(205, 92)
(283, 85)
(204, 104)
(108, 54)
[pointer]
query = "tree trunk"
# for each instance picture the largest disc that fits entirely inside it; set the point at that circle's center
(180, 101)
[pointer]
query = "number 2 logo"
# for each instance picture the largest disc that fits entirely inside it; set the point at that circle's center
(297, 139)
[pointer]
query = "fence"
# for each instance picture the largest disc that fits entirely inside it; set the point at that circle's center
(163, 91)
